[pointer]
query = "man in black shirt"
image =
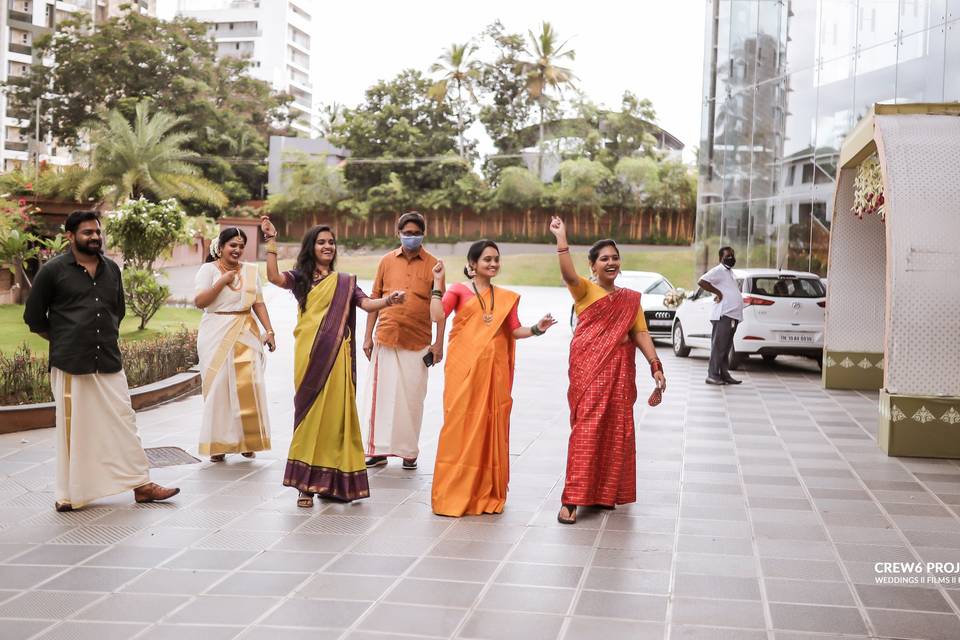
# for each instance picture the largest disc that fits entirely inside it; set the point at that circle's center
(77, 304)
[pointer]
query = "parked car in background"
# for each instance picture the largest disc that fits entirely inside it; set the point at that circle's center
(783, 315)
(652, 287)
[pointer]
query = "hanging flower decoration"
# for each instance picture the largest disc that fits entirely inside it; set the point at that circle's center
(868, 189)
(674, 298)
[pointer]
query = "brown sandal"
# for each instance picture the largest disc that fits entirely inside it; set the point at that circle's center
(571, 518)
(305, 500)
(220, 457)
(249, 454)
(63, 507)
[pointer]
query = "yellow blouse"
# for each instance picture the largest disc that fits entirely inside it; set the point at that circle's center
(585, 293)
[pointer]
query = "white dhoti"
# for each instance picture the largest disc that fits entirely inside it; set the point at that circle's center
(98, 451)
(391, 407)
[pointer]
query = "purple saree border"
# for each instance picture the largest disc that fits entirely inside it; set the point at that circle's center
(326, 482)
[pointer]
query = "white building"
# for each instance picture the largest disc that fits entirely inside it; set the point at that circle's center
(21, 23)
(276, 35)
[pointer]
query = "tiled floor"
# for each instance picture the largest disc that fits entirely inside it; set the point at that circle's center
(762, 510)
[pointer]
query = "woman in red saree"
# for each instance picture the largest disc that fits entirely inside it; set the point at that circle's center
(601, 455)
(473, 455)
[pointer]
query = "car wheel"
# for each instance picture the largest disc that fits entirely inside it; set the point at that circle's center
(768, 357)
(680, 348)
(735, 359)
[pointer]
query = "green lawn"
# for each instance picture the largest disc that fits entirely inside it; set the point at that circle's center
(542, 270)
(13, 332)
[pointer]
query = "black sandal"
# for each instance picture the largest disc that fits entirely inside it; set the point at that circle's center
(572, 510)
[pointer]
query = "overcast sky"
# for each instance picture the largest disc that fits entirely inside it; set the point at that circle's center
(654, 48)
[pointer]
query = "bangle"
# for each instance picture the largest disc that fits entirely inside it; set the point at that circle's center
(563, 250)
(656, 365)
(535, 330)
(436, 293)
(271, 333)
(268, 238)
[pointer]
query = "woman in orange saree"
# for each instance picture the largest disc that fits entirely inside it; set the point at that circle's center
(473, 460)
(601, 454)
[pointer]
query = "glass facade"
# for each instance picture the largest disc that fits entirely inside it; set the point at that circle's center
(784, 82)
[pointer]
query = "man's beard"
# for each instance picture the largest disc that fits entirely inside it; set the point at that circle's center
(85, 247)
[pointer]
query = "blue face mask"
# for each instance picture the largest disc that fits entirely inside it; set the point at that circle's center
(411, 243)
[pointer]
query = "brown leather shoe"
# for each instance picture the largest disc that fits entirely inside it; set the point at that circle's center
(152, 492)
(63, 507)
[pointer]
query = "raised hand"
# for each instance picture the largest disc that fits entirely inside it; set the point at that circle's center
(267, 227)
(558, 228)
(546, 322)
(439, 272)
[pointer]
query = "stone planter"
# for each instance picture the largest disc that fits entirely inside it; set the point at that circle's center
(23, 417)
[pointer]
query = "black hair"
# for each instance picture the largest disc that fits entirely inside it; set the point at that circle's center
(474, 253)
(722, 249)
(599, 245)
(75, 219)
(307, 263)
(226, 235)
(412, 216)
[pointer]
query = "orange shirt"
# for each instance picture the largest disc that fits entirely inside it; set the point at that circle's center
(405, 326)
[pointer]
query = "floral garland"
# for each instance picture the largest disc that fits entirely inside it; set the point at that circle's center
(868, 190)
(674, 298)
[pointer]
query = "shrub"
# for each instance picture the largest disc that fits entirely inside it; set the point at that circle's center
(145, 230)
(143, 294)
(24, 377)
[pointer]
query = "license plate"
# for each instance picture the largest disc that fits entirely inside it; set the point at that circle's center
(795, 337)
(659, 323)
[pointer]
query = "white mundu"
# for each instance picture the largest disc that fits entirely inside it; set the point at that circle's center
(391, 407)
(98, 451)
(235, 416)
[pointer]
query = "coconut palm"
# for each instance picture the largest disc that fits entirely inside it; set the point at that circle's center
(146, 158)
(459, 72)
(544, 73)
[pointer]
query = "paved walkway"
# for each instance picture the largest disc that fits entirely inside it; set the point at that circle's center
(762, 510)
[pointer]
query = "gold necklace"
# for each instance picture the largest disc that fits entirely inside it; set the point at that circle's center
(487, 317)
(237, 283)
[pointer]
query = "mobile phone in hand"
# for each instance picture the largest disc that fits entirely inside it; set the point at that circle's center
(428, 359)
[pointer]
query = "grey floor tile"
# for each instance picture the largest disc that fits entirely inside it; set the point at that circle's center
(440, 593)
(688, 632)
(131, 607)
(471, 549)
(71, 630)
(716, 565)
(715, 545)
(543, 575)
(800, 569)
(325, 614)
(294, 561)
(414, 619)
(314, 542)
(248, 583)
(454, 569)
(289, 633)
(809, 592)
(209, 559)
(629, 606)
(627, 580)
(132, 557)
(45, 605)
(799, 617)
(25, 576)
(721, 613)
(191, 632)
(510, 625)
(911, 598)
(526, 598)
(174, 581)
(371, 565)
(63, 554)
(633, 559)
(228, 610)
(927, 626)
(551, 553)
(92, 579)
(583, 628)
(22, 629)
(332, 586)
(704, 586)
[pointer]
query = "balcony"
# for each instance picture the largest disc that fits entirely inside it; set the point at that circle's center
(24, 49)
(15, 146)
(20, 16)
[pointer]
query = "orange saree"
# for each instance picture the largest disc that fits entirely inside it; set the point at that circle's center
(473, 461)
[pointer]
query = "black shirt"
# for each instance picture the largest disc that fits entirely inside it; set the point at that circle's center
(81, 315)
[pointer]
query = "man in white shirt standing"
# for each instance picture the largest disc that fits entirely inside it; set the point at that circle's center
(727, 314)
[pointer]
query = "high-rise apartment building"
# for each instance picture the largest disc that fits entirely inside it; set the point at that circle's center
(21, 23)
(276, 35)
(784, 82)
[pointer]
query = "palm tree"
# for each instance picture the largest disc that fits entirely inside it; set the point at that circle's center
(146, 158)
(543, 73)
(460, 71)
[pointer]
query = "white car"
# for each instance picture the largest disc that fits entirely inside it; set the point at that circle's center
(652, 287)
(783, 315)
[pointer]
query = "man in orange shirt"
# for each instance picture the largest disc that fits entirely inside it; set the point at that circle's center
(391, 407)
